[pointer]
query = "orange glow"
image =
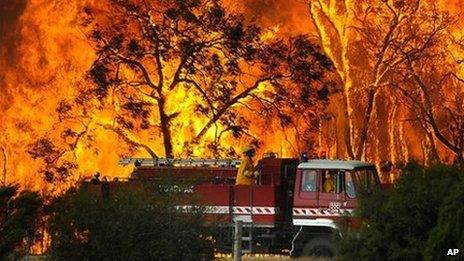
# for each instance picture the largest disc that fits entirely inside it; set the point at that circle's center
(48, 64)
(48, 55)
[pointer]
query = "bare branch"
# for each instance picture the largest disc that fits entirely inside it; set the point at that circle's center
(450, 74)
(139, 65)
(180, 67)
(129, 140)
(231, 103)
(431, 118)
(201, 91)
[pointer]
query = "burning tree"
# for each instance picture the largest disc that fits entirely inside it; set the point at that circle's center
(184, 74)
(433, 89)
(370, 42)
(152, 53)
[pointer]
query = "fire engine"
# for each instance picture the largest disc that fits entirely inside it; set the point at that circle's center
(295, 207)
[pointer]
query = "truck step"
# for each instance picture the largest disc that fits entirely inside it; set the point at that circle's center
(267, 236)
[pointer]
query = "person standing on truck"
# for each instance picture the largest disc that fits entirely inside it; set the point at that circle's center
(245, 174)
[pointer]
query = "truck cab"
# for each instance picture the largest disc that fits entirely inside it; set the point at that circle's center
(325, 191)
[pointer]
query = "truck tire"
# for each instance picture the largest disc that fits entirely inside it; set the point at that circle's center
(320, 247)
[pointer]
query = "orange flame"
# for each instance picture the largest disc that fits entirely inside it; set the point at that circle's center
(48, 62)
(45, 56)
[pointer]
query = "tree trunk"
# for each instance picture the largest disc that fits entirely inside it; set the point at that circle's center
(432, 156)
(347, 125)
(366, 123)
(165, 122)
(392, 131)
(403, 145)
(5, 159)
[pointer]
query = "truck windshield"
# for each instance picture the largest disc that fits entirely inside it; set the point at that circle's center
(309, 181)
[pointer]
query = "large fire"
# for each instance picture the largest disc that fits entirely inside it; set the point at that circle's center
(46, 54)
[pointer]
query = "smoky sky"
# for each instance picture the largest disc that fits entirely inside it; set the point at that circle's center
(10, 11)
(289, 14)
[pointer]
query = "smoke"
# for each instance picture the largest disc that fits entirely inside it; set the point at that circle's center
(10, 12)
(291, 16)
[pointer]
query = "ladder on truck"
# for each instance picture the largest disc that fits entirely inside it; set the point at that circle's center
(247, 227)
(247, 237)
(191, 162)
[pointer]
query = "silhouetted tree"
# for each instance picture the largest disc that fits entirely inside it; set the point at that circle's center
(167, 73)
(19, 213)
(151, 56)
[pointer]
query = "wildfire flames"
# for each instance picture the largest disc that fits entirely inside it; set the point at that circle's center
(46, 56)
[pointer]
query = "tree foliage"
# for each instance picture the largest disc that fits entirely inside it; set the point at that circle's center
(177, 77)
(449, 232)
(132, 224)
(398, 223)
(150, 52)
(19, 213)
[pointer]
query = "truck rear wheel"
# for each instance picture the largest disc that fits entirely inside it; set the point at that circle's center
(320, 247)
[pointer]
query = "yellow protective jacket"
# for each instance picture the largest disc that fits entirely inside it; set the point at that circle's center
(245, 172)
(329, 185)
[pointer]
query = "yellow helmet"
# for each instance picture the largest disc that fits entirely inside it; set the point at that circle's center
(247, 148)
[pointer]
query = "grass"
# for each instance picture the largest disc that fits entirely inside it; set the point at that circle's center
(272, 258)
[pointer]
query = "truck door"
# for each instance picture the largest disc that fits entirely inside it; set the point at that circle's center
(332, 189)
(306, 190)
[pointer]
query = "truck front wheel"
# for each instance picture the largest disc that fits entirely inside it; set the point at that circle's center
(320, 247)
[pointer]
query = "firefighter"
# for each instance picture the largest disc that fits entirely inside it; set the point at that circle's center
(328, 183)
(246, 174)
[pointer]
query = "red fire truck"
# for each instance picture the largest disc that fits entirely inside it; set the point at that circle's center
(293, 208)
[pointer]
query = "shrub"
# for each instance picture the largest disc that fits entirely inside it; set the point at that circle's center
(19, 213)
(449, 233)
(398, 223)
(132, 224)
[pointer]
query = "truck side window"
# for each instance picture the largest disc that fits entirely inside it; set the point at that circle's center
(349, 185)
(366, 179)
(308, 183)
(328, 181)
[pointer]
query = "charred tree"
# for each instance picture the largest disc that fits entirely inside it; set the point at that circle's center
(150, 52)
